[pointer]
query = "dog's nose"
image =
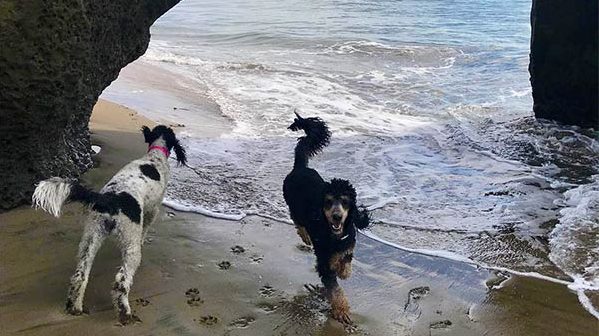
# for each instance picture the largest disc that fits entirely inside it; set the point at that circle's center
(337, 217)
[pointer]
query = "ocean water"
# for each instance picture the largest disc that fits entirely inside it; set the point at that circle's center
(430, 107)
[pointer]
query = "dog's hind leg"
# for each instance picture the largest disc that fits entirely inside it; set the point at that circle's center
(92, 239)
(130, 242)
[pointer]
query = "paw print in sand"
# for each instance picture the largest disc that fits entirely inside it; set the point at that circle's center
(224, 265)
(266, 291)
(441, 324)
(142, 302)
(256, 258)
(267, 307)
(207, 320)
(237, 249)
(242, 322)
(193, 297)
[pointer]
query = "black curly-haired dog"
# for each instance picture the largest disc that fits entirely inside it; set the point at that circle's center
(325, 213)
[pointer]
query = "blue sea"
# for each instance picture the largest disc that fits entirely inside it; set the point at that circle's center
(430, 107)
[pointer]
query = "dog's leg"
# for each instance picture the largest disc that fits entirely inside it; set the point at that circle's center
(149, 219)
(340, 263)
(344, 270)
(339, 305)
(334, 292)
(303, 233)
(92, 239)
(131, 254)
(336, 296)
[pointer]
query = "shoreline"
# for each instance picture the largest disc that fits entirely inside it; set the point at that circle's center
(572, 285)
(262, 293)
(167, 98)
(466, 261)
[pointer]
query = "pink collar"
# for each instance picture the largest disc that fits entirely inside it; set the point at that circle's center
(162, 149)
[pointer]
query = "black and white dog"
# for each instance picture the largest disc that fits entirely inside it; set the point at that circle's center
(125, 207)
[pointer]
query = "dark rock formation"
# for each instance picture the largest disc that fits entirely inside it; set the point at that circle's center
(56, 57)
(563, 61)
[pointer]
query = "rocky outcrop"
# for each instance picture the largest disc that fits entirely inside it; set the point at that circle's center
(563, 61)
(56, 57)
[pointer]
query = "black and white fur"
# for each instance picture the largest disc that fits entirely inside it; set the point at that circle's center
(125, 207)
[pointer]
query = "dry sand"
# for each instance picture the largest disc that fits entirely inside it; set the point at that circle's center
(108, 116)
(180, 289)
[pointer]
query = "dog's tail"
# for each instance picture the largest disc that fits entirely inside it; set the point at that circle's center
(316, 138)
(51, 194)
(363, 218)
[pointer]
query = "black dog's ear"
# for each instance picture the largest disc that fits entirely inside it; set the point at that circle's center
(361, 217)
(180, 153)
(172, 142)
(148, 136)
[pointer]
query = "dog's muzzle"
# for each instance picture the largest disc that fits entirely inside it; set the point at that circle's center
(337, 225)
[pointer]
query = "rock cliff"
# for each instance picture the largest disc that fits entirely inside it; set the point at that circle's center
(56, 57)
(563, 61)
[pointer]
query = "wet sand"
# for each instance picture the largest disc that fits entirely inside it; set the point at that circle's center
(195, 279)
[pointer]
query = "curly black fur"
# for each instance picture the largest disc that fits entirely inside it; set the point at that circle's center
(358, 215)
(304, 191)
(169, 137)
(317, 137)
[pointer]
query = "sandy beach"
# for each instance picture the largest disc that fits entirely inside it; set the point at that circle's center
(205, 276)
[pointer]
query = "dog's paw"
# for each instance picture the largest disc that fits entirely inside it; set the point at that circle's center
(340, 307)
(75, 311)
(127, 319)
(341, 315)
(78, 312)
(304, 248)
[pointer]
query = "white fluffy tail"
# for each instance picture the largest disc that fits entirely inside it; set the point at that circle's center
(51, 194)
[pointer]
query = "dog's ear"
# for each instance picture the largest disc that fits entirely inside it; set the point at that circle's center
(180, 153)
(361, 217)
(173, 142)
(148, 136)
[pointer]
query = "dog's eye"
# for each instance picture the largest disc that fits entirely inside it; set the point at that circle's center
(328, 203)
(345, 203)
